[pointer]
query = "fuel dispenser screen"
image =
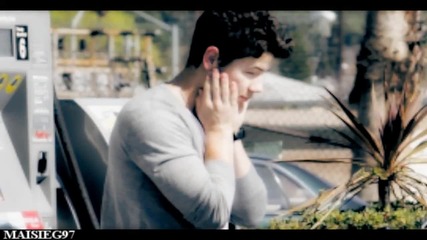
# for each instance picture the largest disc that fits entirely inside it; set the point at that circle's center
(6, 48)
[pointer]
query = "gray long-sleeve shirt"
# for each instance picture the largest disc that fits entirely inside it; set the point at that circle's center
(157, 177)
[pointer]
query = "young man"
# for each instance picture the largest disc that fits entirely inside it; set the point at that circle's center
(174, 159)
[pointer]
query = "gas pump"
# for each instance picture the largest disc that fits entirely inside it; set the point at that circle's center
(27, 150)
(82, 149)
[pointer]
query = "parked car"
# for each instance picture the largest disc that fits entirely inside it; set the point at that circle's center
(289, 185)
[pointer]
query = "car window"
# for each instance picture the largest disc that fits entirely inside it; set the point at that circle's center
(315, 183)
(295, 192)
(276, 199)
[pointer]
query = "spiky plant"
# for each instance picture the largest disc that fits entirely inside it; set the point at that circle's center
(391, 149)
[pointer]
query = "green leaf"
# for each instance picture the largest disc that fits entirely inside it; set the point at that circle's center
(381, 173)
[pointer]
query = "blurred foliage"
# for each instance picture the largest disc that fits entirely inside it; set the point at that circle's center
(354, 22)
(117, 20)
(400, 216)
(292, 17)
(297, 66)
(302, 64)
(317, 41)
(91, 19)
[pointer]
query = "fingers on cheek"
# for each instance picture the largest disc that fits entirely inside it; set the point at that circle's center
(233, 90)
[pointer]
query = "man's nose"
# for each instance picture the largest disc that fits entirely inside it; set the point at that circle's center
(256, 87)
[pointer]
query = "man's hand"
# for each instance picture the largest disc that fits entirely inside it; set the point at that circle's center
(217, 105)
(240, 116)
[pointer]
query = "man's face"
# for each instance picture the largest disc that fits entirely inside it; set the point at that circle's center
(248, 74)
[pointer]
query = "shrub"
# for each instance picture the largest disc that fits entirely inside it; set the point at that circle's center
(399, 216)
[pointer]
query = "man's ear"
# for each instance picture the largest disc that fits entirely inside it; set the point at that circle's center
(210, 58)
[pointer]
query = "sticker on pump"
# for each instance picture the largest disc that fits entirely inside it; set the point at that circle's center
(42, 126)
(21, 33)
(21, 220)
(4, 79)
(14, 84)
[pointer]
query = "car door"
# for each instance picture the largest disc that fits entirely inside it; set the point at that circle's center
(296, 191)
(285, 191)
(277, 200)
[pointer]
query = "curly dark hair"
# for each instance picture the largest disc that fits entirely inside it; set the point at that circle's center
(238, 34)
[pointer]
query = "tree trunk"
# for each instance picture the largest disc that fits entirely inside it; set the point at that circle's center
(388, 59)
(384, 193)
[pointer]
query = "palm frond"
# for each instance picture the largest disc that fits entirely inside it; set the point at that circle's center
(404, 149)
(419, 188)
(334, 206)
(416, 160)
(376, 153)
(322, 140)
(346, 160)
(391, 135)
(412, 193)
(413, 123)
(414, 138)
(394, 191)
(347, 137)
(362, 131)
(417, 177)
(311, 138)
(352, 187)
(407, 158)
(330, 199)
(356, 145)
